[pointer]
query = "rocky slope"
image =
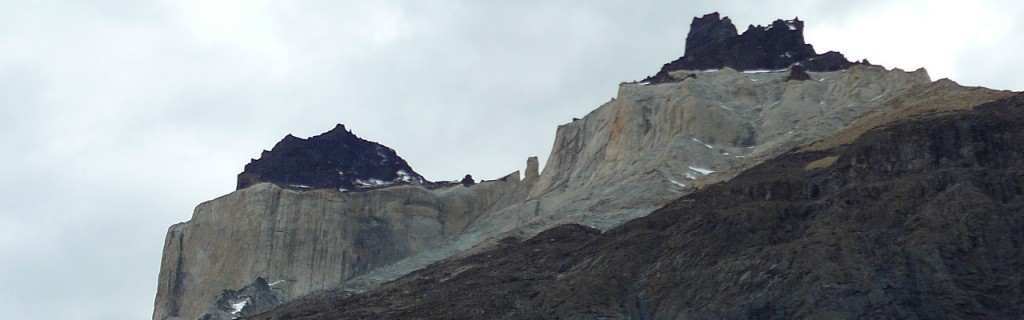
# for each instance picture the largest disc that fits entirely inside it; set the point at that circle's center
(655, 143)
(336, 159)
(652, 144)
(921, 218)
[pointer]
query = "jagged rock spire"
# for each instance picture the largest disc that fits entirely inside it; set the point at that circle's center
(714, 43)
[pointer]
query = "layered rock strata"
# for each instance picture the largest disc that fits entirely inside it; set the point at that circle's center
(304, 241)
(655, 143)
(652, 144)
(918, 219)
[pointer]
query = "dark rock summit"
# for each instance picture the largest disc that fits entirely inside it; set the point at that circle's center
(798, 73)
(336, 159)
(920, 219)
(714, 43)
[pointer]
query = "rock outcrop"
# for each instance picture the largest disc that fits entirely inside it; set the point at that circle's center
(713, 43)
(305, 241)
(251, 299)
(336, 159)
(650, 145)
(654, 143)
(918, 219)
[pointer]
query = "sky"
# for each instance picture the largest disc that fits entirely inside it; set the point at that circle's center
(119, 117)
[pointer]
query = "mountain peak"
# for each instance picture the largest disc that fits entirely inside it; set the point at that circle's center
(713, 43)
(336, 159)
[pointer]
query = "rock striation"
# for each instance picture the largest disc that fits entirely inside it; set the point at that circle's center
(917, 219)
(336, 159)
(652, 144)
(655, 143)
(713, 43)
(305, 241)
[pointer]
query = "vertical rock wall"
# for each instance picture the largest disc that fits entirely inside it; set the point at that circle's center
(302, 242)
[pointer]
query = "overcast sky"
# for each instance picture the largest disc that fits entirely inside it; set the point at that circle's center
(118, 117)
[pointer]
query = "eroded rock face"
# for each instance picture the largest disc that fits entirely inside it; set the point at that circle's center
(655, 143)
(919, 219)
(713, 43)
(336, 159)
(304, 241)
(650, 145)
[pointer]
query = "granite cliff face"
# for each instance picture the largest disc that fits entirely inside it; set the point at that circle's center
(921, 218)
(653, 143)
(336, 159)
(304, 241)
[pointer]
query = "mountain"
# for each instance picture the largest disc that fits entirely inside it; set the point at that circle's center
(658, 143)
(917, 219)
(336, 159)
(713, 43)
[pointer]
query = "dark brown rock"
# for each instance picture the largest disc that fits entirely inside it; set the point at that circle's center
(713, 43)
(798, 73)
(467, 181)
(336, 159)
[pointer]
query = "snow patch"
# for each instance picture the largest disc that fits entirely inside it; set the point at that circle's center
(763, 70)
(700, 170)
(677, 183)
(276, 283)
(237, 306)
(406, 177)
(701, 142)
(878, 97)
(300, 186)
(371, 183)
